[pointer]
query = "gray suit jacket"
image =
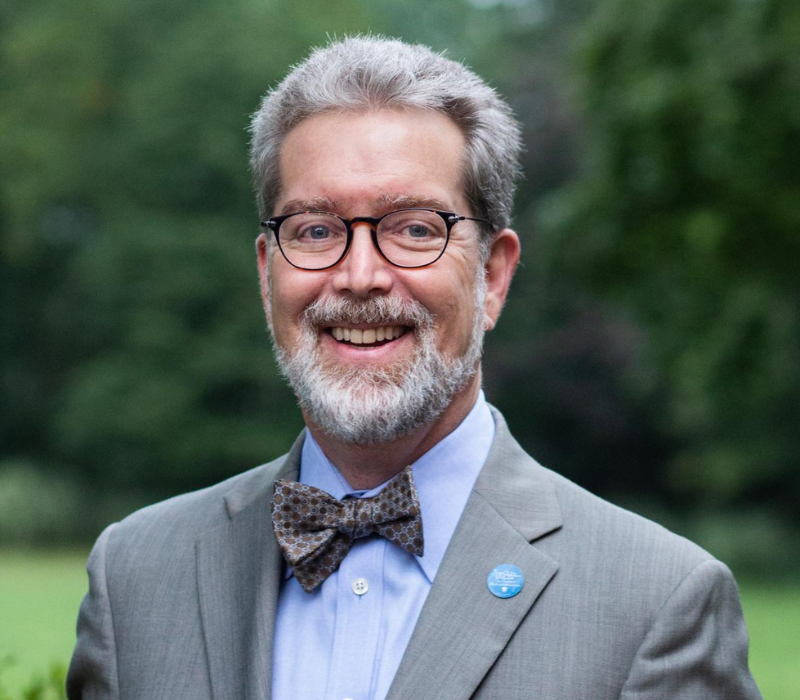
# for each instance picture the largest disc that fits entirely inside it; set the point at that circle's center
(183, 595)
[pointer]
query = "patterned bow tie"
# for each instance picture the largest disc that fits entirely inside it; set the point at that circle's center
(315, 531)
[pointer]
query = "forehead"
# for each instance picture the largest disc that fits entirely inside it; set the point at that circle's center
(362, 162)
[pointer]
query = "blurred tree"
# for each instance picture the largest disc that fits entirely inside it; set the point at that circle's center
(650, 343)
(134, 343)
(686, 216)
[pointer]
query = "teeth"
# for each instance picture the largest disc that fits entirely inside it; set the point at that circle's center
(367, 336)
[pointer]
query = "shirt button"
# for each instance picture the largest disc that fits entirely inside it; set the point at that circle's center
(360, 587)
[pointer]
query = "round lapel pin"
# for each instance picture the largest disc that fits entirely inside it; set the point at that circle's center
(505, 581)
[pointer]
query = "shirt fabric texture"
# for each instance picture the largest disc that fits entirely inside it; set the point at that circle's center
(335, 643)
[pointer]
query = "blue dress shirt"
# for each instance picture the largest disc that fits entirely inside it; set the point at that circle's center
(345, 640)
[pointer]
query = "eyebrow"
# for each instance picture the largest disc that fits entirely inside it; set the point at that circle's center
(314, 204)
(406, 201)
(383, 205)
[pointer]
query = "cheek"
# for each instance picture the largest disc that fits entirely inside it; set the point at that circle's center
(284, 316)
(455, 312)
(288, 297)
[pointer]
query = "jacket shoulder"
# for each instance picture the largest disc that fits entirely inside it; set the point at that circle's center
(580, 525)
(631, 564)
(586, 513)
(169, 527)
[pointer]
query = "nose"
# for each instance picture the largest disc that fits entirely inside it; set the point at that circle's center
(363, 272)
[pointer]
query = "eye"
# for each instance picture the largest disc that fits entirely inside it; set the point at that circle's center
(413, 224)
(312, 228)
(317, 232)
(418, 231)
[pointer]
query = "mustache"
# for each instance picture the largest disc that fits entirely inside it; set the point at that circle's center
(382, 311)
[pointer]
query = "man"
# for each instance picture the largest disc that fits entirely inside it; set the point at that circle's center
(406, 546)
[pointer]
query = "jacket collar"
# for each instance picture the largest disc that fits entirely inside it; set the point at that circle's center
(462, 627)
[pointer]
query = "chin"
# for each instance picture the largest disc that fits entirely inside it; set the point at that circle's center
(368, 405)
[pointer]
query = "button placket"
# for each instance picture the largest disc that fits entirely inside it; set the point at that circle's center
(360, 586)
(358, 620)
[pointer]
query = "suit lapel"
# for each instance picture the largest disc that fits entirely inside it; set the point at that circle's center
(239, 571)
(463, 628)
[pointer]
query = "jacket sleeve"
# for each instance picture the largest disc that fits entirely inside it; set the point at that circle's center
(93, 670)
(697, 645)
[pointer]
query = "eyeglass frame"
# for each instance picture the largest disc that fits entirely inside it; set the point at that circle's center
(450, 219)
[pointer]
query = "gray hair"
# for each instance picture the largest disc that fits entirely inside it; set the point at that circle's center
(368, 73)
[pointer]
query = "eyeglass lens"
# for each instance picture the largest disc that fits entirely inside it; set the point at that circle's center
(409, 238)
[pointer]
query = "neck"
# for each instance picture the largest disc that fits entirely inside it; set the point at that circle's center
(367, 466)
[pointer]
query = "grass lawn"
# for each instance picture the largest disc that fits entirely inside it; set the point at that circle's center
(773, 619)
(40, 594)
(39, 598)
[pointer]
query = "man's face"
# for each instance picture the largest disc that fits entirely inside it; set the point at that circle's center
(368, 164)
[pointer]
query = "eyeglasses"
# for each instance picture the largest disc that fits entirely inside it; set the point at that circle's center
(315, 240)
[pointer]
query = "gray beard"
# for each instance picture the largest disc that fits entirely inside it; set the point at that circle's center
(371, 405)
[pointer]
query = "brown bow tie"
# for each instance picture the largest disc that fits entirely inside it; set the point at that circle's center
(315, 531)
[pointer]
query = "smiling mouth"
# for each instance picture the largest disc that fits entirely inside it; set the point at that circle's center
(367, 336)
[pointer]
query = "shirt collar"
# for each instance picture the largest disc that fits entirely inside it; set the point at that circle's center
(443, 476)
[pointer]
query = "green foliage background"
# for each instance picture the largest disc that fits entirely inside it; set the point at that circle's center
(649, 350)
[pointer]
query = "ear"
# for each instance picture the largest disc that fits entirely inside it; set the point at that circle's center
(262, 251)
(499, 269)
